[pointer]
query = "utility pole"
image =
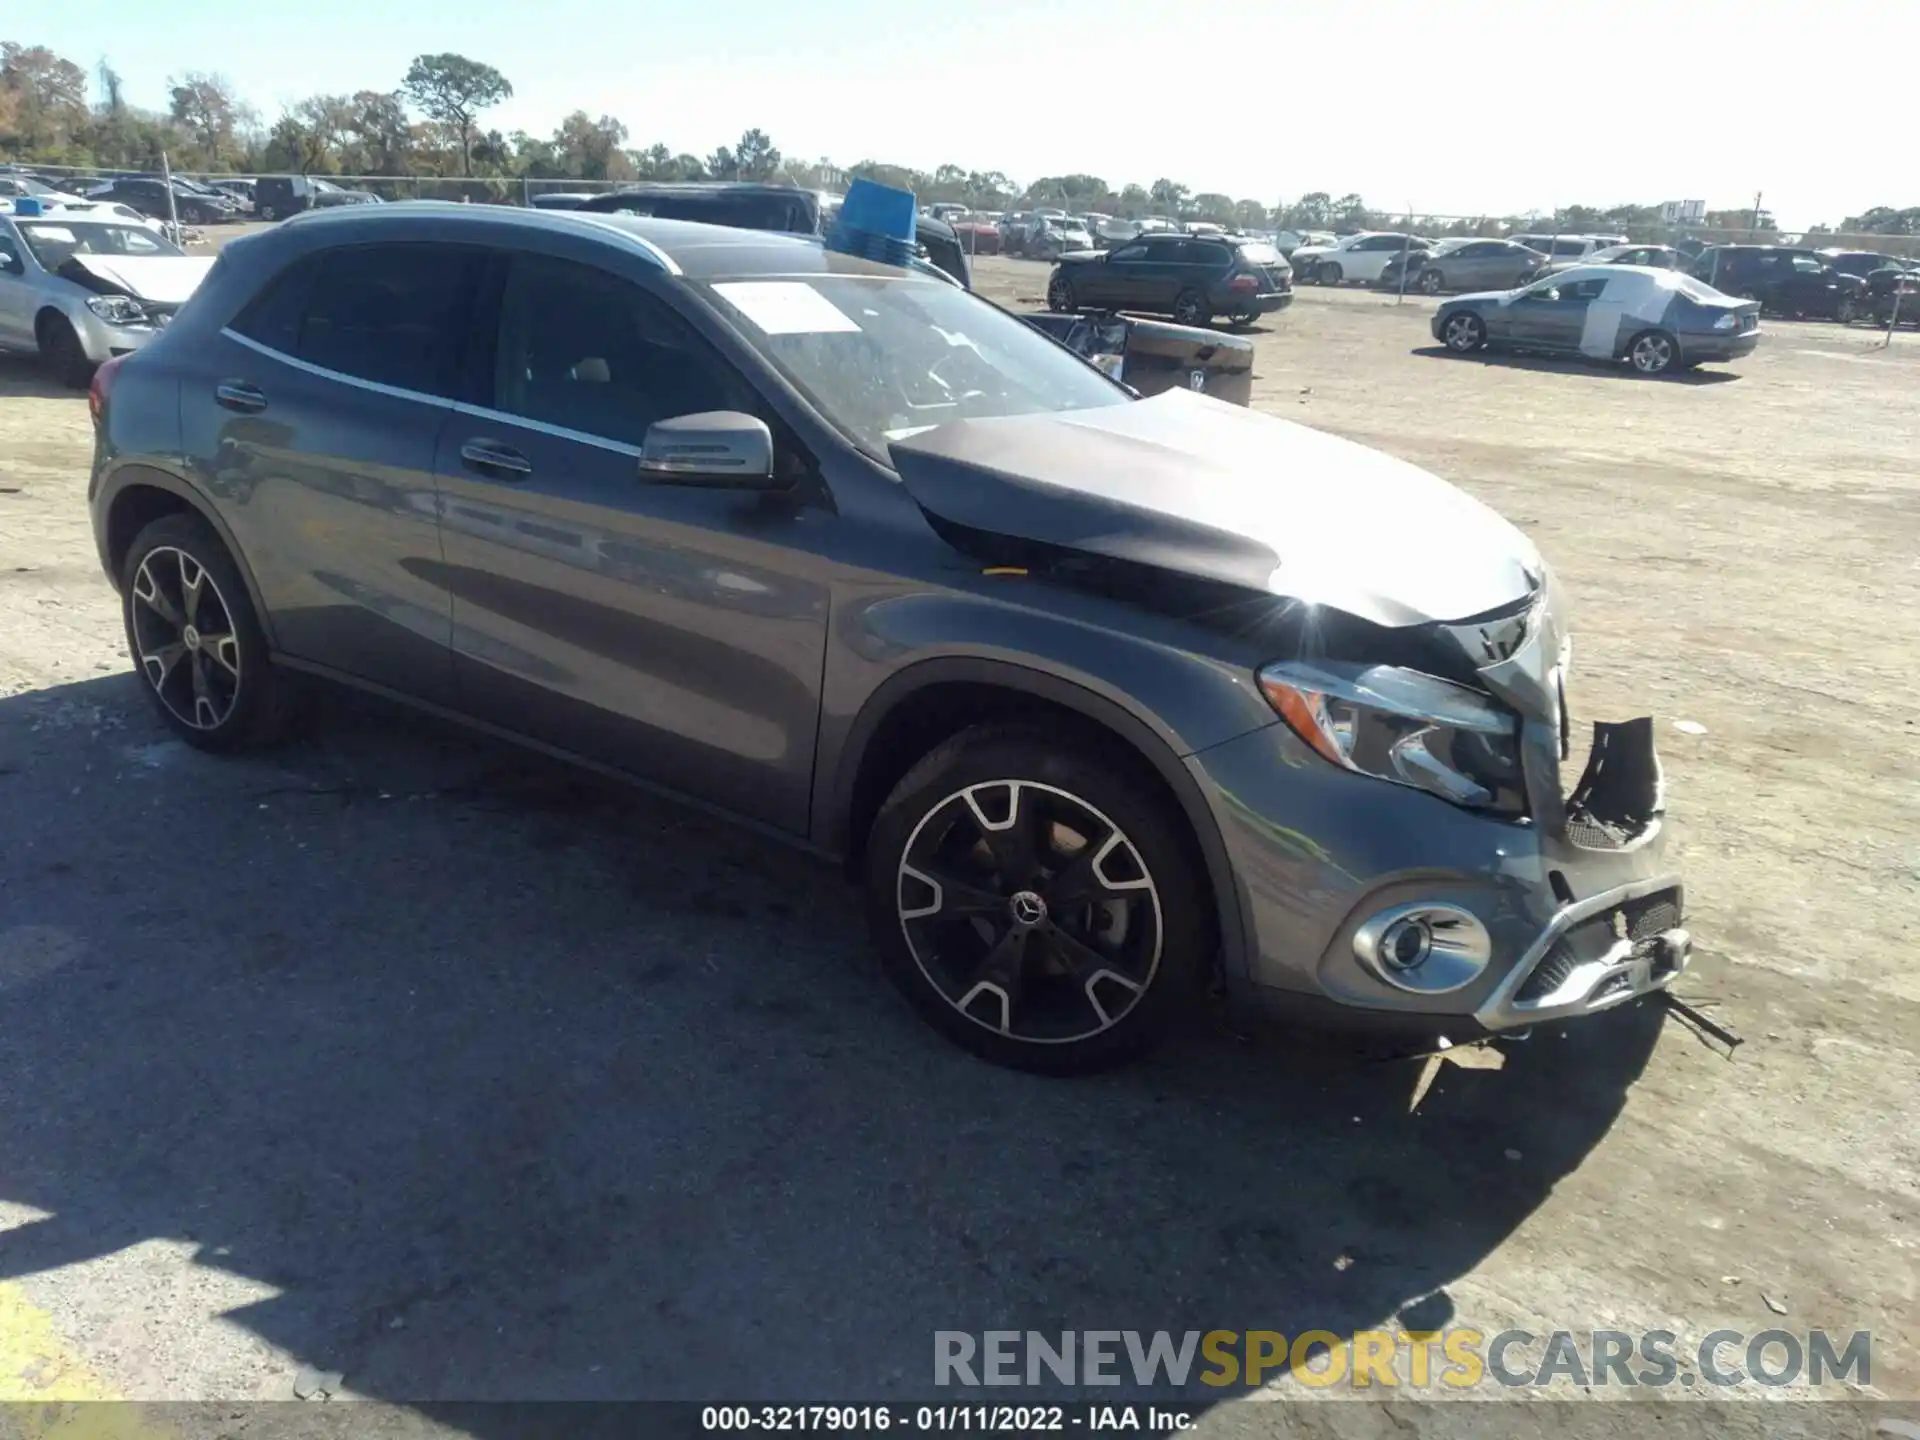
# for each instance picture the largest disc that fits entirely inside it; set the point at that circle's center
(1753, 220)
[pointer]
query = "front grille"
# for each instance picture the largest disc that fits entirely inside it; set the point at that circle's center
(1591, 834)
(1640, 921)
(1550, 973)
(1652, 916)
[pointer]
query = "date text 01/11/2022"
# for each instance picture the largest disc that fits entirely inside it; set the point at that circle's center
(951, 1419)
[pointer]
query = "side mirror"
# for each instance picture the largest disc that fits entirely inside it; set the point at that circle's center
(12, 264)
(724, 449)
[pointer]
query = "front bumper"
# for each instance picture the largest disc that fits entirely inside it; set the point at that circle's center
(103, 341)
(1562, 914)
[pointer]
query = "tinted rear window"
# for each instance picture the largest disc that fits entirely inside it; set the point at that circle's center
(1259, 253)
(392, 314)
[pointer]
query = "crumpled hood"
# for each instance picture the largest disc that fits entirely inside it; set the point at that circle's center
(1191, 484)
(162, 279)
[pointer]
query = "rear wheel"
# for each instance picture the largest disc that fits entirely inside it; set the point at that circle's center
(1464, 333)
(1060, 295)
(1034, 905)
(1653, 352)
(196, 642)
(1190, 308)
(61, 352)
(268, 212)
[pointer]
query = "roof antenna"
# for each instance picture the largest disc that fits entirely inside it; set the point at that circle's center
(876, 222)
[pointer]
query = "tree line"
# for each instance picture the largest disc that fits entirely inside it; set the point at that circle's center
(431, 125)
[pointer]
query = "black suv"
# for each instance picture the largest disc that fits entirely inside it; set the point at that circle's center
(275, 197)
(749, 205)
(1785, 279)
(1190, 277)
(192, 205)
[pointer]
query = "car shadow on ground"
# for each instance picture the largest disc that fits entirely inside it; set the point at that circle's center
(500, 1082)
(24, 377)
(1573, 365)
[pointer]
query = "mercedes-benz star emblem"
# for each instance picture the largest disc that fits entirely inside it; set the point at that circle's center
(1028, 909)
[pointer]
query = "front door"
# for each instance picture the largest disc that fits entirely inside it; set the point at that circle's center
(314, 417)
(18, 299)
(674, 632)
(1552, 317)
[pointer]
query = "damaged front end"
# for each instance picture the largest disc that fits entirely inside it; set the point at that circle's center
(116, 303)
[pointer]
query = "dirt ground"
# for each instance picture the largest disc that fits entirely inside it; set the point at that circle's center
(399, 1055)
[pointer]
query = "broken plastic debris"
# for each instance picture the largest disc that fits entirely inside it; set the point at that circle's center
(1689, 727)
(312, 1384)
(1777, 1306)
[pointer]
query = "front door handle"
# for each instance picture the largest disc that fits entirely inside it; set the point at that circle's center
(491, 458)
(239, 395)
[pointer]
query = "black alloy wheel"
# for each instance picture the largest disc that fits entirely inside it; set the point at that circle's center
(1034, 903)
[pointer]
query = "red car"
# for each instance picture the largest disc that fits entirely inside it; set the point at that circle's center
(978, 235)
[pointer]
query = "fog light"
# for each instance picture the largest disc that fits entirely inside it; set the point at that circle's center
(1427, 948)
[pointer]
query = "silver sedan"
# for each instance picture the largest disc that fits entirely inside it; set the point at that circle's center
(77, 291)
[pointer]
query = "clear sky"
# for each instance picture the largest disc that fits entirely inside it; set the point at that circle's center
(1450, 106)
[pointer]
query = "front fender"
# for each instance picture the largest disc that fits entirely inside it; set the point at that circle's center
(1165, 701)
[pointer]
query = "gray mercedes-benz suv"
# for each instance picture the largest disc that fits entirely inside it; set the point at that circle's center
(1099, 696)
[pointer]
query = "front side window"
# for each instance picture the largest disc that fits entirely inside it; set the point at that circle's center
(881, 357)
(1129, 252)
(1808, 265)
(588, 351)
(392, 314)
(1583, 290)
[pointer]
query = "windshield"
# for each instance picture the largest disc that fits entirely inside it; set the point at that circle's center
(54, 243)
(883, 357)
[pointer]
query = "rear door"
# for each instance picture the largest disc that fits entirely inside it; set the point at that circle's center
(672, 631)
(315, 417)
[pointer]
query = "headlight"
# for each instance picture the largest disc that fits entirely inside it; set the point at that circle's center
(117, 309)
(1726, 322)
(1403, 726)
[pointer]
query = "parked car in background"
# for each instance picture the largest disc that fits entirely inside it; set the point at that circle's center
(191, 204)
(275, 197)
(946, 210)
(1659, 257)
(1572, 248)
(239, 190)
(750, 205)
(1656, 320)
(1787, 280)
(16, 186)
(1358, 257)
(77, 291)
(1153, 356)
(1190, 277)
(1053, 238)
(865, 562)
(979, 233)
(1892, 295)
(1861, 263)
(560, 199)
(1464, 263)
(1288, 241)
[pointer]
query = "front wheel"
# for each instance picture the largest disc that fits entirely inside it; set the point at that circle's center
(1190, 308)
(62, 353)
(1034, 902)
(1431, 282)
(1847, 310)
(196, 642)
(1464, 333)
(1060, 294)
(1330, 274)
(1653, 352)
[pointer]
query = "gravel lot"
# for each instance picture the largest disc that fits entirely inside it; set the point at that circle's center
(399, 1054)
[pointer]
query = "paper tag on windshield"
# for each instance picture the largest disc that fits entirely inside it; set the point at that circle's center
(785, 307)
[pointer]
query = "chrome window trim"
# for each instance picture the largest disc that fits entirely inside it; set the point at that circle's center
(462, 407)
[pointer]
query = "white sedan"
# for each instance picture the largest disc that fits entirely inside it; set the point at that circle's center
(1358, 257)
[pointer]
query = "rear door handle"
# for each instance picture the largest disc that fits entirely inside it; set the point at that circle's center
(239, 395)
(491, 458)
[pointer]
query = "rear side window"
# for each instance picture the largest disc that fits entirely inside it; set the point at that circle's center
(392, 314)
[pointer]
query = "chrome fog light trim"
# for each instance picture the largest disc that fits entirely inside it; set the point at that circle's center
(1425, 948)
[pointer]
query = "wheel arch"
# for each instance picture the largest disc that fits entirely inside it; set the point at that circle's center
(925, 704)
(134, 496)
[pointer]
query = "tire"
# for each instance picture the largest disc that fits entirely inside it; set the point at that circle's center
(1846, 310)
(1329, 274)
(1431, 281)
(1060, 294)
(61, 353)
(992, 953)
(1653, 352)
(1190, 307)
(267, 212)
(1464, 333)
(208, 675)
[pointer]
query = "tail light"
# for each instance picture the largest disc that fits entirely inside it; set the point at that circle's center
(1244, 283)
(102, 386)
